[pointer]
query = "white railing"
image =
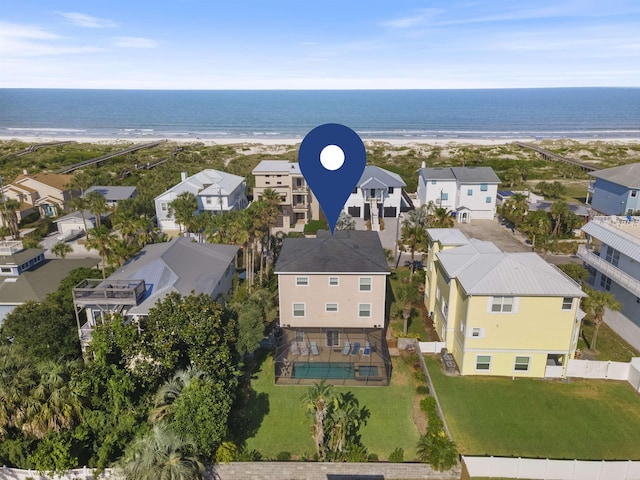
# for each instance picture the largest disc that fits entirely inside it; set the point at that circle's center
(623, 279)
(543, 469)
(553, 371)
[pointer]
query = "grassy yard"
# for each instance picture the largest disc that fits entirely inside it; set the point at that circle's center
(415, 326)
(285, 428)
(609, 344)
(587, 420)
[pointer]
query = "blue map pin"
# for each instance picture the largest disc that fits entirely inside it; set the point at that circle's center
(332, 158)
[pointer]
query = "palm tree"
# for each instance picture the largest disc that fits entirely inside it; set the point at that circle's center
(9, 209)
(161, 454)
(80, 204)
(345, 222)
(316, 402)
(595, 305)
(53, 404)
(183, 209)
(516, 208)
(442, 218)
(407, 295)
(438, 450)
(343, 423)
(559, 212)
(101, 239)
(538, 225)
(17, 377)
(61, 249)
(413, 237)
(168, 393)
(96, 204)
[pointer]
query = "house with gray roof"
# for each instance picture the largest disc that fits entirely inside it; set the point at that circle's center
(332, 298)
(112, 194)
(379, 193)
(215, 191)
(469, 192)
(502, 313)
(181, 266)
(612, 257)
(26, 275)
(615, 191)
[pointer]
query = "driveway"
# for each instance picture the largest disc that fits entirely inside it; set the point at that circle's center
(493, 231)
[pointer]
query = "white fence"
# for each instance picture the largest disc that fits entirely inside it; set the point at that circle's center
(431, 347)
(606, 370)
(75, 474)
(545, 469)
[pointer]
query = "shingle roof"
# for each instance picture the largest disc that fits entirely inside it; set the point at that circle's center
(482, 269)
(55, 180)
(461, 174)
(625, 175)
(180, 265)
(212, 182)
(348, 251)
(112, 193)
(282, 166)
(20, 257)
(615, 238)
(381, 177)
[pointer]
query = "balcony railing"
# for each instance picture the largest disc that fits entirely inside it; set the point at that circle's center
(623, 279)
(108, 292)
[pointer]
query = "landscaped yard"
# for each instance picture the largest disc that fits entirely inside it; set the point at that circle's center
(285, 428)
(583, 419)
(610, 345)
(415, 325)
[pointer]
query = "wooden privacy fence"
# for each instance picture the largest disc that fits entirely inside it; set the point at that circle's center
(545, 469)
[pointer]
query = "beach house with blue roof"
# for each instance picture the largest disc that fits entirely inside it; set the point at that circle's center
(615, 191)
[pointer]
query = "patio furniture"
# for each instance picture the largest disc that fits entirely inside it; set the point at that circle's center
(356, 348)
(347, 348)
(304, 348)
(294, 348)
(367, 349)
(314, 348)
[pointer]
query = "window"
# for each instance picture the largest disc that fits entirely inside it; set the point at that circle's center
(484, 187)
(330, 307)
(208, 200)
(469, 192)
(355, 190)
(302, 281)
(567, 303)
(298, 310)
(437, 293)
(390, 190)
(605, 282)
(612, 256)
(365, 284)
(634, 193)
(6, 270)
(163, 207)
(333, 338)
(477, 332)
(462, 327)
(364, 310)
(433, 182)
(487, 200)
(483, 362)
(445, 196)
(522, 364)
(334, 281)
(299, 336)
(445, 309)
(502, 304)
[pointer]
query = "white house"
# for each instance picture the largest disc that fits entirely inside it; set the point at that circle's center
(378, 193)
(215, 191)
(469, 192)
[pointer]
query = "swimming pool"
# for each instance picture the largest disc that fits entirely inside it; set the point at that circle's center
(337, 370)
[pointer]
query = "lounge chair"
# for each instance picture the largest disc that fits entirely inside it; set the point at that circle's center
(347, 348)
(367, 349)
(356, 348)
(304, 348)
(314, 348)
(294, 348)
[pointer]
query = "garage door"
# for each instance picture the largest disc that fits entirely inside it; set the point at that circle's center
(354, 212)
(390, 211)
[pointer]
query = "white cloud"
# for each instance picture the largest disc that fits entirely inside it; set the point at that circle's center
(419, 18)
(87, 21)
(33, 32)
(135, 42)
(18, 40)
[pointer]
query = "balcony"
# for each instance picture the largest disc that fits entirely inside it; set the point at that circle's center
(300, 189)
(623, 279)
(10, 247)
(300, 206)
(108, 292)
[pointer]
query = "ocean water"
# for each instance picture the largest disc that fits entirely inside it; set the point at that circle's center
(597, 113)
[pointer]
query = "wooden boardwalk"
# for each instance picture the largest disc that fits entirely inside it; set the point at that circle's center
(33, 148)
(94, 161)
(547, 155)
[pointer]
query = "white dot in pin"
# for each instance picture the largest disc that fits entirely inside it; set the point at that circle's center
(332, 157)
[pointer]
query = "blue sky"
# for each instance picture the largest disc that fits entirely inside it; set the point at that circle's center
(238, 44)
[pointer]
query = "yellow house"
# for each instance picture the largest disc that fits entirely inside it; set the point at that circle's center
(504, 313)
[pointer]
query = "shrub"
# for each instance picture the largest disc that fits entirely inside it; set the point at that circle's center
(422, 390)
(372, 457)
(283, 456)
(438, 450)
(427, 404)
(397, 456)
(249, 456)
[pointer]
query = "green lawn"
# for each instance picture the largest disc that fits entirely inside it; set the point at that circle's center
(589, 420)
(285, 428)
(609, 344)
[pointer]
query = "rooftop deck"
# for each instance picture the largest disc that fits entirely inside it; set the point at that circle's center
(108, 292)
(626, 226)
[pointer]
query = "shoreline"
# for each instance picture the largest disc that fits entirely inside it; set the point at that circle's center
(395, 142)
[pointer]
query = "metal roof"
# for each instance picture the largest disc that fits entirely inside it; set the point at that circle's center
(625, 175)
(347, 251)
(277, 166)
(461, 174)
(482, 269)
(447, 236)
(112, 193)
(207, 182)
(381, 177)
(608, 234)
(180, 265)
